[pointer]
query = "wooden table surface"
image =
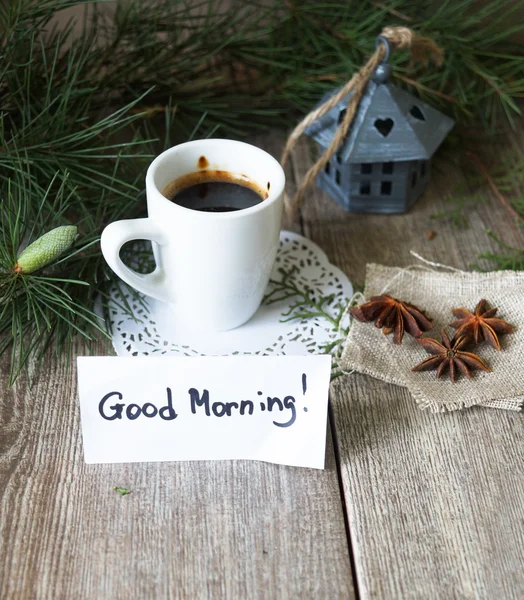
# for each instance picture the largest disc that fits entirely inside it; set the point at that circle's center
(410, 505)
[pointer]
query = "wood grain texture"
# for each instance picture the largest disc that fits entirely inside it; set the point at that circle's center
(234, 529)
(435, 502)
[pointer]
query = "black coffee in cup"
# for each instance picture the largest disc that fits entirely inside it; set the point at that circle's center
(212, 190)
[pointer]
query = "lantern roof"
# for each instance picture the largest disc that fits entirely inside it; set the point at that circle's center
(390, 124)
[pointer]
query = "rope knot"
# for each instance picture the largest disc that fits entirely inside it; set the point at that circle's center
(399, 37)
(423, 49)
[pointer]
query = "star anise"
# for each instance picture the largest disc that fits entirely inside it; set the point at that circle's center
(449, 355)
(480, 325)
(393, 315)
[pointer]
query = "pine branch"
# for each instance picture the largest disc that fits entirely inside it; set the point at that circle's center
(306, 307)
(494, 187)
(48, 305)
(509, 258)
(80, 113)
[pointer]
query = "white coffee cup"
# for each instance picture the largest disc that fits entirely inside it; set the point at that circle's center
(213, 267)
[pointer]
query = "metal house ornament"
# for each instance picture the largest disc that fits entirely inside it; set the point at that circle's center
(383, 164)
(377, 159)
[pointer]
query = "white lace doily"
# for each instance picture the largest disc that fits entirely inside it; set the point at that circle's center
(152, 330)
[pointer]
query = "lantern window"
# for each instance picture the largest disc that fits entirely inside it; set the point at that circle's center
(385, 188)
(365, 188)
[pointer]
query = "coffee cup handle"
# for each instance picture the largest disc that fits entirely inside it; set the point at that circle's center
(115, 235)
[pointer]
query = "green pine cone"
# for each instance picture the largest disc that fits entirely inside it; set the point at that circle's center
(46, 249)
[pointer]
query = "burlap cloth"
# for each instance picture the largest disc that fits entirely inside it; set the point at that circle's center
(368, 350)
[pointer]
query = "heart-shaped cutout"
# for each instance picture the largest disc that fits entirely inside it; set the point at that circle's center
(384, 126)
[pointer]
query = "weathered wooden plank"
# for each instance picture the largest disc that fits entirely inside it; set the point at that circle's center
(434, 502)
(234, 529)
(193, 530)
(353, 240)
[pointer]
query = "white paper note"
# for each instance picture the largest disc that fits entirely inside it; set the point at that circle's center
(141, 409)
